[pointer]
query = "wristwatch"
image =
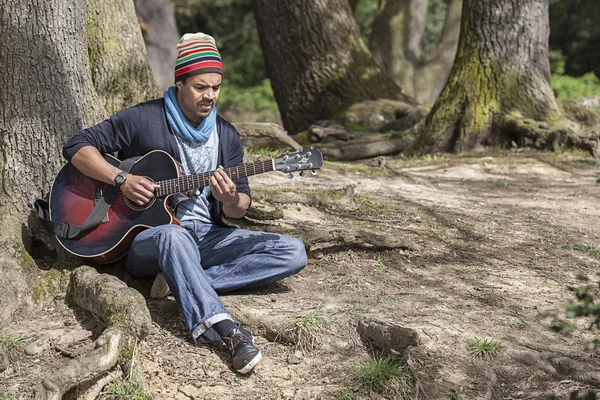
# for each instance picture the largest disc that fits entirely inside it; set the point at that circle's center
(120, 179)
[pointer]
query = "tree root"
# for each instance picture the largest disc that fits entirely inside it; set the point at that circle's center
(93, 392)
(361, 149)
(128, 321)
(250, 131)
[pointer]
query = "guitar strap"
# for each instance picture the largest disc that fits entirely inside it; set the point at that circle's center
(105, 195)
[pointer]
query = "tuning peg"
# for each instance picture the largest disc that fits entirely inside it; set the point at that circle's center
(290, 175)
(302, 173)
(313, 172)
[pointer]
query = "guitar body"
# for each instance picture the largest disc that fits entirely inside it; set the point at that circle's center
(72, 199)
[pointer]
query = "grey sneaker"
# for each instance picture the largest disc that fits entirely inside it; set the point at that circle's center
(159, 289)
(244, 354)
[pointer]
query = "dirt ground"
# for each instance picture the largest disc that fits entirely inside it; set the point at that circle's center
(456, 248)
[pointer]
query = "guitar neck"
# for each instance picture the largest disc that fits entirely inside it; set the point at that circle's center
(190, 182)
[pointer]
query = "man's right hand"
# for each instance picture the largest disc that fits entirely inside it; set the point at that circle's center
(139, 189)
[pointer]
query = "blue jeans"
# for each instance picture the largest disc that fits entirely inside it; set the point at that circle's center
(200, 260)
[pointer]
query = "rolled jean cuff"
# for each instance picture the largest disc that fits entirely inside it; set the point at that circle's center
(205, 325)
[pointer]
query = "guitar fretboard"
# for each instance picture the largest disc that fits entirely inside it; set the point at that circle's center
(191, 182)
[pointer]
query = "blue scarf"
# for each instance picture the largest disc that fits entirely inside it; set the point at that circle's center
(181, 126)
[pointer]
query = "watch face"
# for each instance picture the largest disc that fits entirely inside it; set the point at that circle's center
(119, 179)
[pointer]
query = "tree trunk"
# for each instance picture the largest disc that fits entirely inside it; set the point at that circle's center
(434, 68)
(501, 75)
(117, 55)
(316, 61)
(47, 95)
(396, 39)
(396, 45)
(157, 18)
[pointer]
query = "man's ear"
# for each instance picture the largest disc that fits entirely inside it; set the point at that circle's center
(179, 85)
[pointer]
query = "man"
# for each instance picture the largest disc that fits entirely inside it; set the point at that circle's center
(203, 256)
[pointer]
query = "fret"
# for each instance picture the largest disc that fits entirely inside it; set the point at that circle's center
(197, 181)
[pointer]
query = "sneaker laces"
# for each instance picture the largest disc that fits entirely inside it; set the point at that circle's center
(238, 338)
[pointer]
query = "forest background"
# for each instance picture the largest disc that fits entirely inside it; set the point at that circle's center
(247, 93)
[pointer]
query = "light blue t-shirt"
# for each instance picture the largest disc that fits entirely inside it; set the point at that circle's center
(197, 158)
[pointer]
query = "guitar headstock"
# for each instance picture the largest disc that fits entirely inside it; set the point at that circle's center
(299, 161)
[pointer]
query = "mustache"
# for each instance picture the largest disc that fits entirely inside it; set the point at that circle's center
(209, 103)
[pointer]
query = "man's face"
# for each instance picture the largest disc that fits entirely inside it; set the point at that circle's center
(198, 96)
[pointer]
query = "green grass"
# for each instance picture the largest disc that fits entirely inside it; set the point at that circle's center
(127, 390)
(510, 211)
(249, 300)
(356, 167)
(454, 395)
(337, 282)
(554, 236)
(380, 264)
(371, 207)
(502, 183)
(587, 248)
(484, 348)
(305, 331)
(6, 395)
(11, 341)
(591, 161)
(386, 375)
(392, 297)
(265, 153)
(512, 323)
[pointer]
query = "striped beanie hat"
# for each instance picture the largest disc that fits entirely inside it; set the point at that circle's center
(197, 54)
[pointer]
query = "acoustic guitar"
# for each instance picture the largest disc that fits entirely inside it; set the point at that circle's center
(74, 195)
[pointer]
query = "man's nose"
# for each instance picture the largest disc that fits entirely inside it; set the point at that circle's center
(209, 94)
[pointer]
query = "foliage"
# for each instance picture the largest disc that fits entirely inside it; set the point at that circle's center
(259, 99)
(568, 87)
(434, 24)
(384, 375)
(484, 348)
(128, 389)
(10, 342)
(574, 30)
(305, 331)
(586, 306)
(365, 13)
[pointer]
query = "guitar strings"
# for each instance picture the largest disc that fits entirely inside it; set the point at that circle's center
(190, 182)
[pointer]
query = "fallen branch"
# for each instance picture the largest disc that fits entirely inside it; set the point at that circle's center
(254, 130)
(128, 321)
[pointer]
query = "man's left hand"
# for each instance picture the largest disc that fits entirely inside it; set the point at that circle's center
(223, 188)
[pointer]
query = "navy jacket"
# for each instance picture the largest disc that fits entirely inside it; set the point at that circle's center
(142, 128)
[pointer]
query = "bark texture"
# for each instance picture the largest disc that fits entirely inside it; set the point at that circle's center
(396, 46)
(117, 55)
(47, 95)
(316, 61)
(501, 74)
(157, 18)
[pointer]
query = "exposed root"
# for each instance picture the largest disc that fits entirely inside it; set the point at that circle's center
(93, 392)
(361, 149)
(91, 366)
(128, 321)
(528, 132)
(250, 131)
